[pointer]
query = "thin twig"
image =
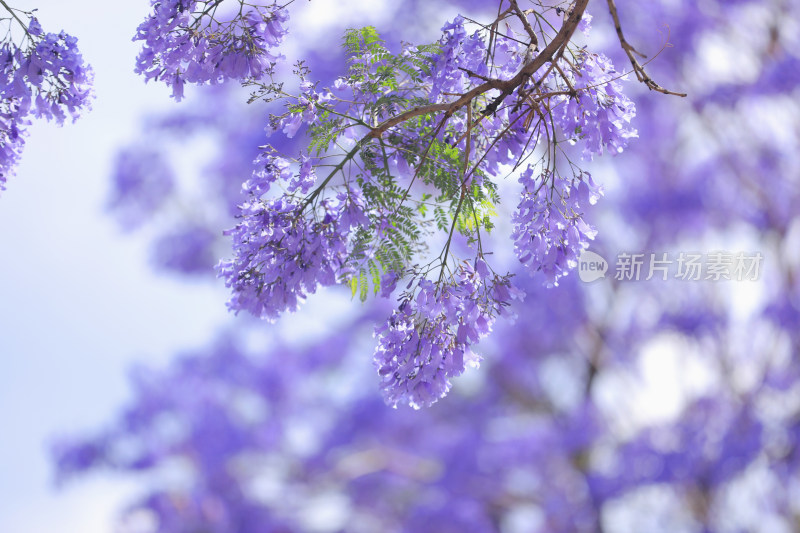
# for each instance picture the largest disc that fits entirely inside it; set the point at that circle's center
(631, 52)
(19, 20)
(525, 24)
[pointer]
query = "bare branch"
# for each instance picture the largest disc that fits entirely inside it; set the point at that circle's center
(631, 52)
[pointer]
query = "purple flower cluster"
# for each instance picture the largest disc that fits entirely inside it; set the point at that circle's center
(587, 102)
(427, 339)
(459, 53)
(281, 255)
(184, 42)
(599, 113)
(45, 77)
(549, 231)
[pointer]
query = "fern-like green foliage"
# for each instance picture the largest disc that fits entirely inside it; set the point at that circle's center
(404, 210)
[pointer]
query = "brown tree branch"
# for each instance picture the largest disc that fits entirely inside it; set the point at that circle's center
(506, 87)
(525, 24)
(631, 52)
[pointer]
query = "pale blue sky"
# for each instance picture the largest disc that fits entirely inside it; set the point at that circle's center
(78, 302)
